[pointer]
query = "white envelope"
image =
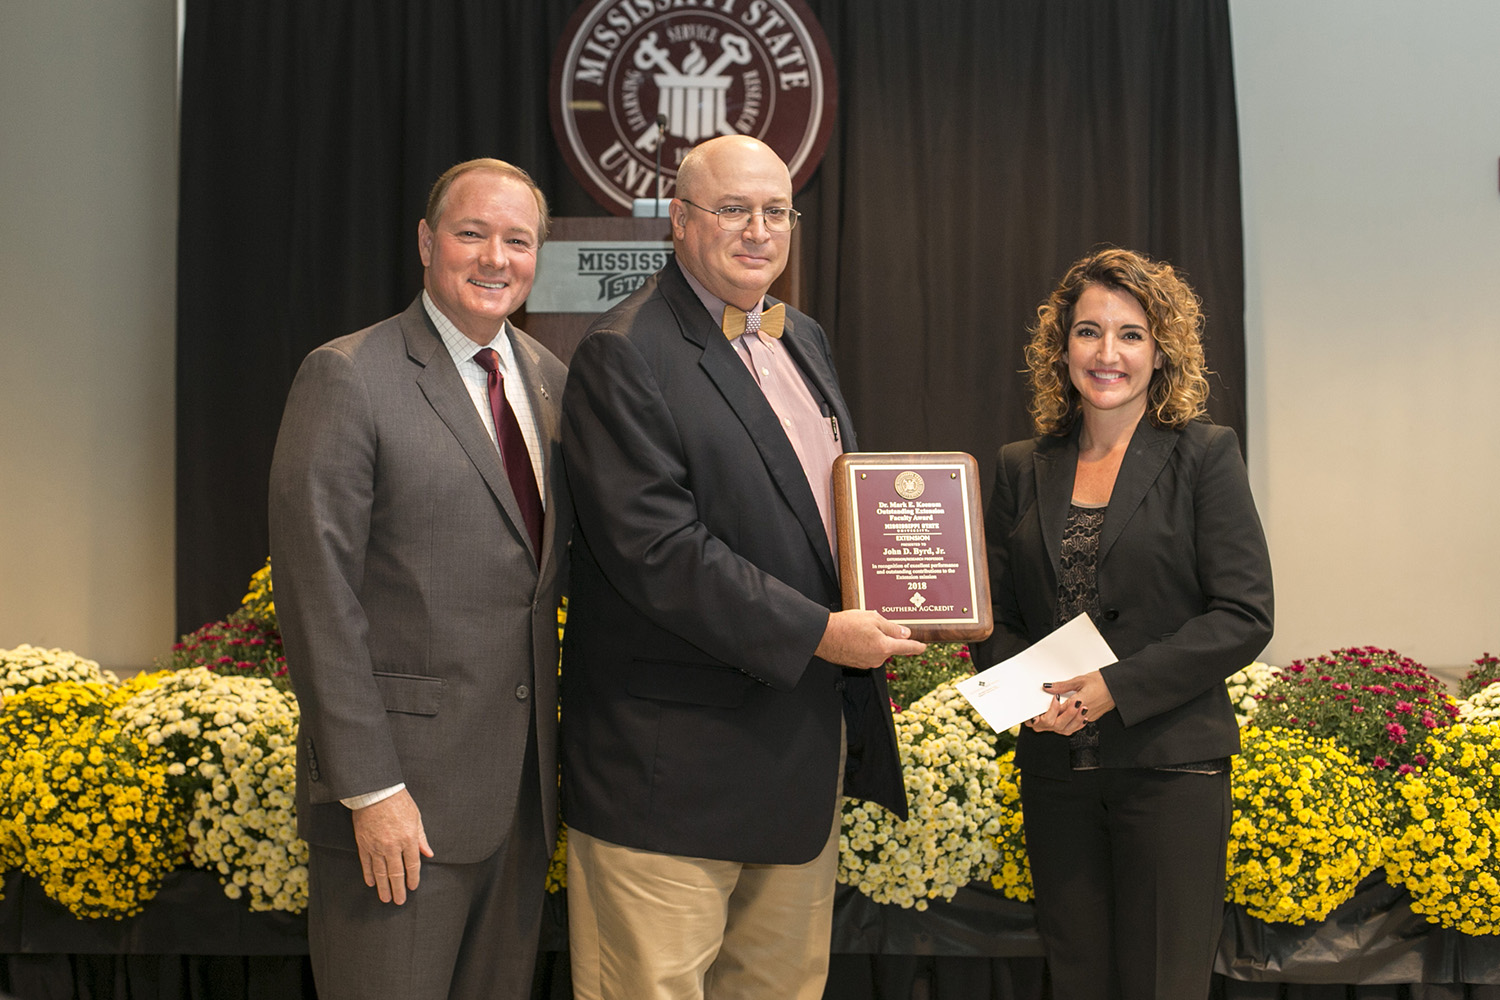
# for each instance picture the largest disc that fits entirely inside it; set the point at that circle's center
(1011, 692)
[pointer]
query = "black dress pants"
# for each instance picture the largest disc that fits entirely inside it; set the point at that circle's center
(1129, 871)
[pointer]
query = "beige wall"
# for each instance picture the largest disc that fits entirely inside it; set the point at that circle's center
(1369, 137)
(88, 179)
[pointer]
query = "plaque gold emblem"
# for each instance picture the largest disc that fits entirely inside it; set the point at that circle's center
(909, 485)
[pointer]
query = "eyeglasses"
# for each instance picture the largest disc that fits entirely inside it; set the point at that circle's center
(736, 218)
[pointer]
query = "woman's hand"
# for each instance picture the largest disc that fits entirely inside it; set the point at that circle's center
(1087, 699)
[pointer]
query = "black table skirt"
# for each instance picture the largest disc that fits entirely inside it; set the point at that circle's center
(193, 942)
(851, 977)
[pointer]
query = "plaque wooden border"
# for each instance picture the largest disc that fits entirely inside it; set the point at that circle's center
(967, 623)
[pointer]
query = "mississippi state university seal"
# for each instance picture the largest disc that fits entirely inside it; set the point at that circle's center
(634, 79)
(910, 485)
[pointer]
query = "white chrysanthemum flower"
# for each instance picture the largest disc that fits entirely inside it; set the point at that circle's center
(233, 739)
(1244, 685)
(1481, 706)
(948, 758)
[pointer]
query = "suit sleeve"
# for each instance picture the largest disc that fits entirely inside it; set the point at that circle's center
(1010, 636)
(322, 489)
(635, 497)
(1233, 569)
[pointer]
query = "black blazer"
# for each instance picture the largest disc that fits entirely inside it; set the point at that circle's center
(695, 719)
(1184, 587)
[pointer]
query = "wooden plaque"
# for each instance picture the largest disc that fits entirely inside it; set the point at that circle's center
(911, 541)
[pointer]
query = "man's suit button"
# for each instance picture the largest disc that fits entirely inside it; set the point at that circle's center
(522, 692)
(1111, 614)
(840, 684)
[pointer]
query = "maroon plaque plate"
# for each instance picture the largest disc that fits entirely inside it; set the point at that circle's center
(911, 541)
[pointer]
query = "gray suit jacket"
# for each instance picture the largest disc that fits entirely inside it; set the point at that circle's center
(1184, 583)
(420, 631)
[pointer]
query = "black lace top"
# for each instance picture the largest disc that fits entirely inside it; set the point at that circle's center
(1078, 593)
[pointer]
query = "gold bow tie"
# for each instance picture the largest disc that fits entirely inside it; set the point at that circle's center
(768, 321)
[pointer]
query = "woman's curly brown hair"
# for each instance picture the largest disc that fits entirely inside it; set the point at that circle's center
(1178, 393)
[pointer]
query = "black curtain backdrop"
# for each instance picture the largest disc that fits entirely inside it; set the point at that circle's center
(980, 147)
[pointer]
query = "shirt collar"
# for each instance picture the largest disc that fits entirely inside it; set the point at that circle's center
(460, 347)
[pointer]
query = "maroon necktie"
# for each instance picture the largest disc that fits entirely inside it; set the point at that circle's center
(513, 450)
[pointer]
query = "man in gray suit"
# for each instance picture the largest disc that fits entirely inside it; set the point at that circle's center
(419, 517)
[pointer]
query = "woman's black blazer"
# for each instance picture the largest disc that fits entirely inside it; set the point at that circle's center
(1184, 587)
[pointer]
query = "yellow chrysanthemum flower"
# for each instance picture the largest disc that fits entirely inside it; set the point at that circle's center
(1444, 840)
(99, 845)
(1305, 829)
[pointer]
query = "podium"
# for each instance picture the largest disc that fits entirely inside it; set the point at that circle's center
(586, 266)
(590, 263)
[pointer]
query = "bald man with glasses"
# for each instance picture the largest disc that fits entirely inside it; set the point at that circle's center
(716, 701)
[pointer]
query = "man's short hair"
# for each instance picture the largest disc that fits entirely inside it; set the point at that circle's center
(437, 199)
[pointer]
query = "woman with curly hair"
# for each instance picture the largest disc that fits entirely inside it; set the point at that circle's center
(1130, 507)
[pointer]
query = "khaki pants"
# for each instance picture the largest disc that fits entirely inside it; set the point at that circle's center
(647, 926)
